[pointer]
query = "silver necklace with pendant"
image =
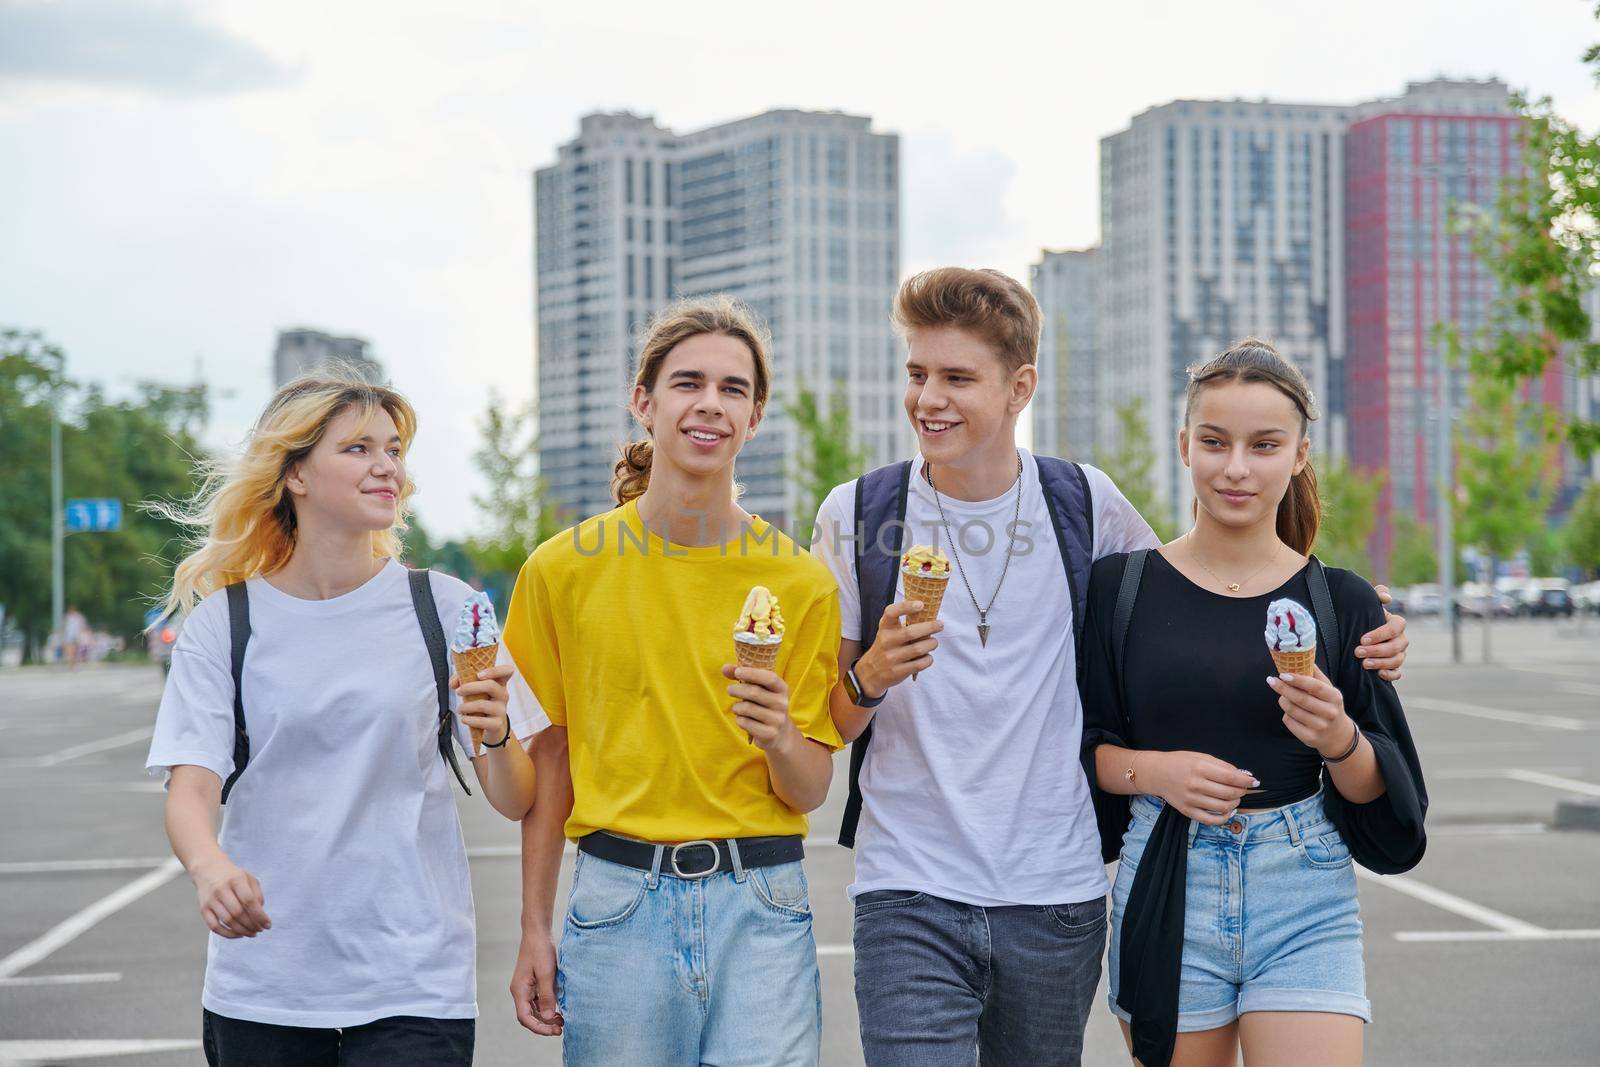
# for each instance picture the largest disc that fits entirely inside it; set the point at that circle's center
(983, 612)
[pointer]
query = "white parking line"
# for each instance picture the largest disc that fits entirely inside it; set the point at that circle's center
(1579, 688)
(1554, 781)
(836, 950)
(64, 866)
(88, 978)
(1496, 935)
(74, 926)
(88, 747)
(19, 1053)
(1478, 711)
(1558, 672)
(1402, 883)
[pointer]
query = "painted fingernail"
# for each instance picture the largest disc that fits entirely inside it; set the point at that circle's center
(1255, 783)
(1287, 677)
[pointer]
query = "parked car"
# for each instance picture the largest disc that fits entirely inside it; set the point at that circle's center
(1587, 597)
(1425, 599)
(1553, 599)
(161, 636)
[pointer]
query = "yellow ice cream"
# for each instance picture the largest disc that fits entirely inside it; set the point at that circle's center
(760, 615)
(926, 561)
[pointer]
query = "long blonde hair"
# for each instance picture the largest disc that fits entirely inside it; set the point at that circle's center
(719, 314)
(243, 517)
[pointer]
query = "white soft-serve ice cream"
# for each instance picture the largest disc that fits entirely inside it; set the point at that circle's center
(1291, 636)
(475, 644)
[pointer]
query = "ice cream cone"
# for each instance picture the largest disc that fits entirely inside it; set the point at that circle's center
(468, 663)
(1300, 662)
(929, 590)
(763, 654)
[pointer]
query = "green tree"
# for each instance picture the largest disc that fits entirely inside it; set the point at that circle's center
(516, 507)
(1541, 245)
(1582, 532)
(1413, 557)
(1505, 470)
(1349, 515)
(1131, 467)
(131, 450)
(826, 456)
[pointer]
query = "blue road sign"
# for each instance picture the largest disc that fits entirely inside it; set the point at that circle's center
(94, 516)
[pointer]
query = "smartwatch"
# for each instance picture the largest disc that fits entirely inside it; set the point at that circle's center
(858, 696)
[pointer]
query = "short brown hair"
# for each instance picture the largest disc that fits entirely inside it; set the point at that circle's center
(997, 308)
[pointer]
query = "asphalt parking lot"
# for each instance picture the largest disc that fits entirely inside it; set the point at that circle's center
(1488, 953)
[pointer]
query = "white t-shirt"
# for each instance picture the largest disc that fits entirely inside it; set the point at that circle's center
(345, 812)
(972, 788)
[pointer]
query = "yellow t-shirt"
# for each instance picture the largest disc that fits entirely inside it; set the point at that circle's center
(623, 636)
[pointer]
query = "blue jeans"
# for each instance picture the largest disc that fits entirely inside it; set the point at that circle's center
(1270, 917)
(940, 983)
(675, 972)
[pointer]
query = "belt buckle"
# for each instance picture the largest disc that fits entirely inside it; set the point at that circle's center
(716, 860)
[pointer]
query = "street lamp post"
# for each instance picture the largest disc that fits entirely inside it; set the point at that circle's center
(1446, 509)
(57, 533)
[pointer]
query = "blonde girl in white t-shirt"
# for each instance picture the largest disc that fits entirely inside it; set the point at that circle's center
(337, 893)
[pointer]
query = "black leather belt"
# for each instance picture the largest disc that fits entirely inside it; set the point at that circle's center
(693, 859)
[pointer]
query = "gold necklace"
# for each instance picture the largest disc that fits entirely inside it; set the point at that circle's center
(1233, 587)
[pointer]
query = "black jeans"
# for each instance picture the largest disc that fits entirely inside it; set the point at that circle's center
(400, 1041)
(944, 984)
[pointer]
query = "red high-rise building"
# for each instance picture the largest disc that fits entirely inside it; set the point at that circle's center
(1411, 166)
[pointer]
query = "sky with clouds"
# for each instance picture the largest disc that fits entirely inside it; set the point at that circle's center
(180, 180)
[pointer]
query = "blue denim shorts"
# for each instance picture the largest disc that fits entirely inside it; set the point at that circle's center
(1270, 923)
(657, 970)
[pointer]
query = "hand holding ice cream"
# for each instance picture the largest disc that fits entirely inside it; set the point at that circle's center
(762, 708)
(1313, 707)
(474, 647)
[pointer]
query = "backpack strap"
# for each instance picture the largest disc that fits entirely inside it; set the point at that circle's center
(1127, 593)
(238, 638)
(433, 634)
(1322, 611)
(880, 509)
(1071, 506)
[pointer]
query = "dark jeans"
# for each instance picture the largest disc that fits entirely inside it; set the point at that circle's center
(401, 1041)
(942, 984)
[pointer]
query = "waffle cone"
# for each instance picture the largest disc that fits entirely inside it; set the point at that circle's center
(928, 590)
(753, 655)
(468, 664)
(1295, 662)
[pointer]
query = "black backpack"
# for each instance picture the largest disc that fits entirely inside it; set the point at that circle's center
(432, 634)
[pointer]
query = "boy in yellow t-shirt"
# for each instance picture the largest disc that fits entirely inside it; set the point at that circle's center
(688, 932)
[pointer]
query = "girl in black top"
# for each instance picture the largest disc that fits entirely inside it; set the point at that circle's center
(1234, 912)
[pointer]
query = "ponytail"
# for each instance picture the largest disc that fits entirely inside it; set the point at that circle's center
(1300, 511)
(631, 476)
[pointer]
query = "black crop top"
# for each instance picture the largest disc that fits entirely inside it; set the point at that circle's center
(1195, 679)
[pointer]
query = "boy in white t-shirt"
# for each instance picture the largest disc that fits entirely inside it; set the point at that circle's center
(979, 893)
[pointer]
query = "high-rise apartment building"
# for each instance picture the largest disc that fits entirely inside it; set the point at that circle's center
(796, 213)
(1219, 220)
(301, 350)
(1412, 165)
(1068, 410)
